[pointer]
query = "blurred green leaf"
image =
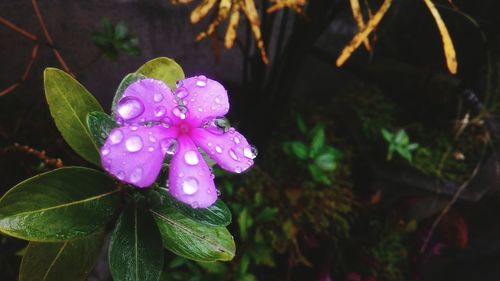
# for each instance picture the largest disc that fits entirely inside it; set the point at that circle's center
(69, 104)
(135, 249)
(266, 214)
(326, 162)
(299, 149)
(99, 125)
(317, 142)
(301, 125)
(61, 261)
(245, 221)
(114, 39)
(59, 205)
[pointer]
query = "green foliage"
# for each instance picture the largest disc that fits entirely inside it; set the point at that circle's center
(61, 261)
(399, 142)
(321, 159)
(133, 250)
(43, 208)
(190, 238)
(69, 104)
(64, 212)
(115, 39)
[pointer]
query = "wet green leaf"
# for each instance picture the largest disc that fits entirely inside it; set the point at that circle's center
(61, 261)
(100, 124)
(59, 205)
(164, 69)
(69, 104)
(135, 249)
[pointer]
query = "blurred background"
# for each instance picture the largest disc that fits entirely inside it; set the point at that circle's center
(382, 168)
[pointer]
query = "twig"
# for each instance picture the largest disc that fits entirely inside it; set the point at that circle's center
(56, 162)
(16, 28)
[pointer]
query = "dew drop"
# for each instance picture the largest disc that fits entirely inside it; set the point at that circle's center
(160, 111)
(217, 100)
(219, 125)
(195, 205)
(133, 143)
(201, 81)
(167, 121)
(218, 149)
(237, 170)
(130, 107)
(158, 97)
(178, 83)
(152, 139)
(181, 92)
(151, 149)
(236, 140)
(190, 185)
(180, 111)
(209, 144)
(136, 175)
(250, 152)
(134, 128)
(169, 146)
(120, 175)
(200, 109)
(104, 151)
(191, 157)
(116, 136)
(233, 154)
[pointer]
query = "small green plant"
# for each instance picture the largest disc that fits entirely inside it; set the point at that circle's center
(399, 142)
(321, 159)
(115, 39)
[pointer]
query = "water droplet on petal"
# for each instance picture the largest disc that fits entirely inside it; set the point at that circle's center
(167, 121)
(233, 154)
(209, 144)
(200, 109)
(136, 175)
(250, 152)
(120, 175)
(180, 111)
(178, 83)
(133, 143)
(151, 149)
(169, 146)
(191, 157)
(160, 111)
(116, 136)
(104, 151)
(195, 205)
(181, 92)
(158, 97)
(237, 170)
(201, 81)
(190, 185)
(130, 107)
(236, 140)
(217, 100)
(218, 149)
(134, 128)
(219, 125)
(152, 139)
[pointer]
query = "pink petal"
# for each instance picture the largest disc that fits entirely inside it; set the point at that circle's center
(135, 154)
(146, 100)
(203, 97)
(190, 180)
(230, 150)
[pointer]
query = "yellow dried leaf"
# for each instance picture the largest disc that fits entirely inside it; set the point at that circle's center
(358, 17)
(363, 34)
(449, 49)
(232, 27)
(222, 14)
(201, 10)
(296, 5)
(253, 17)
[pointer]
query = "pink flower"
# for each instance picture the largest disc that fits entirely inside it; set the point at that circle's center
(156, 122)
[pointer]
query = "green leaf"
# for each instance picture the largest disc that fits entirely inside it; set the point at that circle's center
(301, 125)
(326, 162)
(69, 104)
(100, 124)
(135, 249)
(401, 137)
(62, 204)
(164, 69)
(217, 215)
(412, 146)
(387, 135)
(318, 141)
(299, 149)
(245, 221)
(61, 261)
(121, 31)
(266, 214)
(191, 239)
(126, 81)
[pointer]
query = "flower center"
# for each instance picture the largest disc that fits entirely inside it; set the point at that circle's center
(184, 128)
